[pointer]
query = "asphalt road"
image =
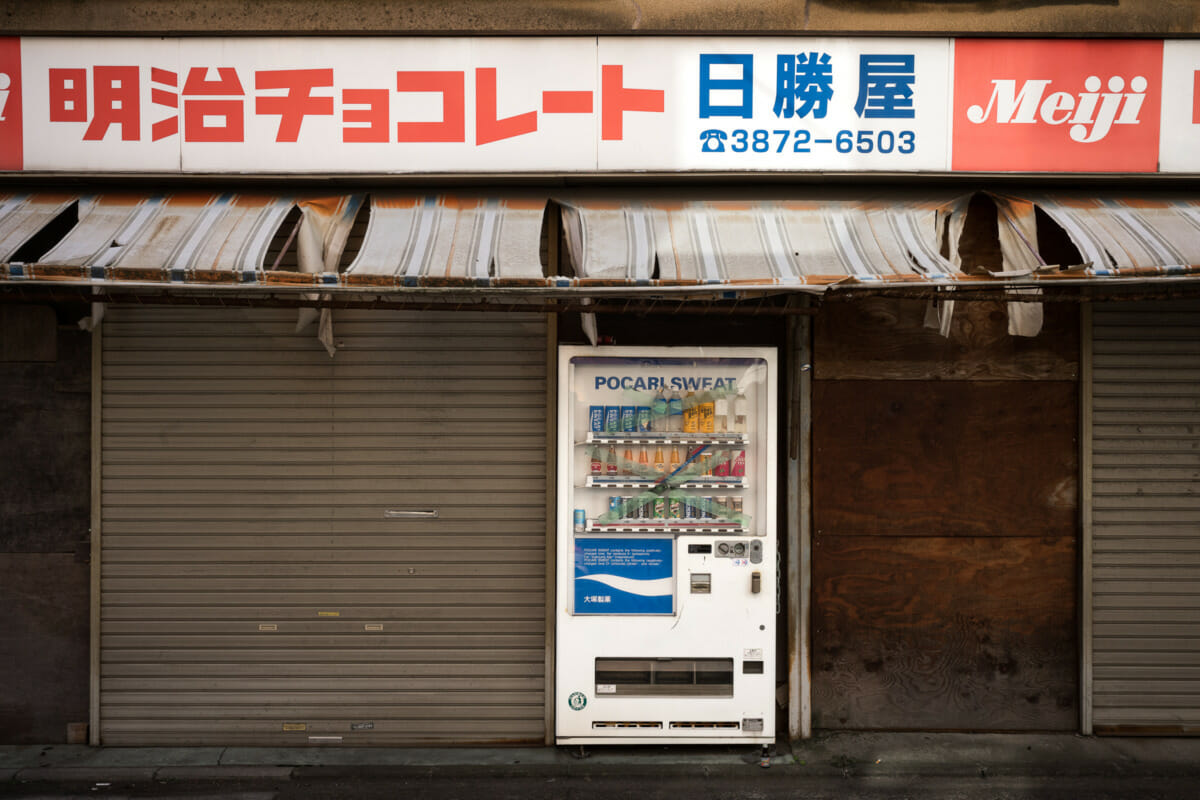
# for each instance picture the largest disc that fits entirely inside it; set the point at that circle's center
(753, 786)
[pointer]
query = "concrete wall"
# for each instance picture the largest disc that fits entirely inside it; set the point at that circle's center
(45, 405)
(1004, 17)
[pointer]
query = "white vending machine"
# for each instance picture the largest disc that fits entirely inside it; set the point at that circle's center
(666, 548)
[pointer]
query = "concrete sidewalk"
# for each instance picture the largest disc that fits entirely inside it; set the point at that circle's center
(835, 754)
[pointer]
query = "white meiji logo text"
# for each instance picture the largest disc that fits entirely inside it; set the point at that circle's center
(1091, 113)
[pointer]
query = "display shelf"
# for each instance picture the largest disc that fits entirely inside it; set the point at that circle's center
(672, 437)
(626, 482)
(666, 526)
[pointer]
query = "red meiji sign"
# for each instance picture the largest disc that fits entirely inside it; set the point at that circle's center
(11, 142)
(1056, 106)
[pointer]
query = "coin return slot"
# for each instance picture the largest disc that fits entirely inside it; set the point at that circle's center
(622, 724)
(665, 677)
(722, 725)
(752, 668)
(701, 583)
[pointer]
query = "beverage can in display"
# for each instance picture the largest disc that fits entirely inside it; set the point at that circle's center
(675, 412)
(659, 410)
(580, 520)
(721, 467)
(737, 467)
(707, 416)
(706, 507)
(691, 414)
(628, 419)
(612, 419)
(735, 505)
(596, 419)
(659, 508)
(643, 419)
(721, 415)
(721, 506)
(614, 504)
(627, 509)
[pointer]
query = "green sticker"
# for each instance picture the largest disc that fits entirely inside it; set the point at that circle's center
(577, 701)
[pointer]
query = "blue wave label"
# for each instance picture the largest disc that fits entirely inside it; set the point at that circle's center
(624, 576)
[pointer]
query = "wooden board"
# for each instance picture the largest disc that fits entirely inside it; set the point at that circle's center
(948, 458)
(944, 633)
(881, 338)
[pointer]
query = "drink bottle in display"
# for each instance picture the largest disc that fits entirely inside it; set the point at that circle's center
(610, 462)
(660, 462)
(675, 412)
(659, 411)
(707, 414)
(676, 459)
(643, 462)
(739, 413)
(597, 465)
(721, 415)
(691, 414)
(627, 461)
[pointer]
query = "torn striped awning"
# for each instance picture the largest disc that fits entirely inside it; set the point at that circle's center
(798, 239)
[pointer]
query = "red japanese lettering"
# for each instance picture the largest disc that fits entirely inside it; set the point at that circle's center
(68, 95)
(487, 127)
(452, 87)
(615, 100)
(116, 100)
(375, 115)
(566, 102)
(1196, 97)
(217, 120)
(299, 101)
(164, 97)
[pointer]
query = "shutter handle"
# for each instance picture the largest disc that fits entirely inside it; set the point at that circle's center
(395, 513)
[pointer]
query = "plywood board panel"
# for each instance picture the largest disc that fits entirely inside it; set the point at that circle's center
(881, 338)
(951, 458)
(944, 633)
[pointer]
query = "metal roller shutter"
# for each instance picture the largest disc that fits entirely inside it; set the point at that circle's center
(252, 590)
(1145, 517)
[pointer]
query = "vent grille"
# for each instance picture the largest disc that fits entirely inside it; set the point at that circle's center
(626, 724)
(721, 725)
